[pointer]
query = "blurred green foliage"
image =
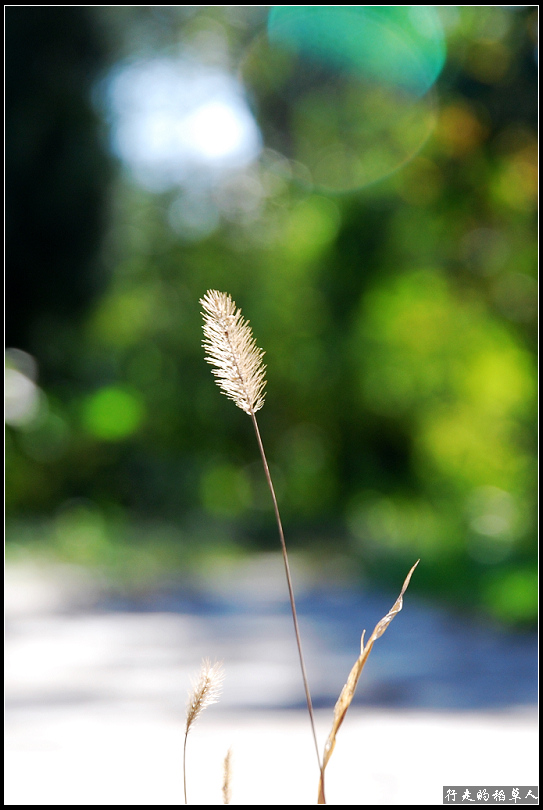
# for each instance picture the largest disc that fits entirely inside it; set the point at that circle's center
(399, 324)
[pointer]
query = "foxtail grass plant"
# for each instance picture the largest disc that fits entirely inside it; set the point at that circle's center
(206, 690)
(232, 350)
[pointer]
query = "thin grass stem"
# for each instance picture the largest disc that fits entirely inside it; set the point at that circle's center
(291, 594)
(185, 766)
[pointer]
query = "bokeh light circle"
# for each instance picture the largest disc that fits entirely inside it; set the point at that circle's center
(113, 413)
(345, 92)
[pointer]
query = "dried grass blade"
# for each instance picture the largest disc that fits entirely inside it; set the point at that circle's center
(347, 693)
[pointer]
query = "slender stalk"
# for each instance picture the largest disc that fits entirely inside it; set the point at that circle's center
(290, 593)
(185, 766)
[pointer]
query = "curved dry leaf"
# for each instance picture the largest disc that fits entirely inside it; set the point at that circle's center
(347, 693)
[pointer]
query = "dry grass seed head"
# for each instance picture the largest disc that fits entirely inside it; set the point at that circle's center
(205, 691)
(231, 348)
(227, 778)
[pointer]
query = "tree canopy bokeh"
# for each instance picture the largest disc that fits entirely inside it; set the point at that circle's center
(381, 239)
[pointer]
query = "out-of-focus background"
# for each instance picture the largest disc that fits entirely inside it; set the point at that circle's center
(363, 182)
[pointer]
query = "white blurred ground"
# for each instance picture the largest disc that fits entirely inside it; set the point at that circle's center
(95, 710)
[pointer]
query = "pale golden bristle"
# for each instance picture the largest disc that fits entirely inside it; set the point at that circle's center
(231, 348)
